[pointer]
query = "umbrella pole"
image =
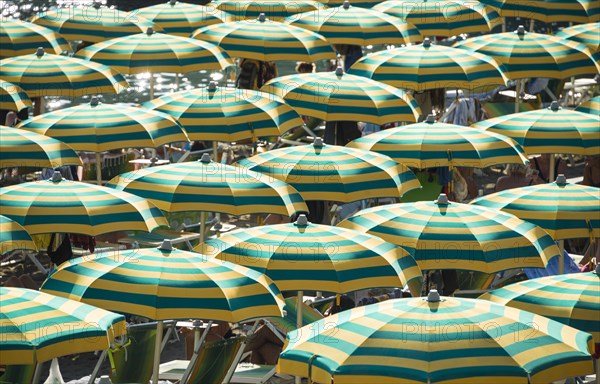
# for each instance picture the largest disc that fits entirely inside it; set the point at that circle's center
(151, 86)
(561, 260)
(158, 342)
(531, 25)
(98, 169)
(37, 373)
(551, 175)
(298, 379)
(202, 226)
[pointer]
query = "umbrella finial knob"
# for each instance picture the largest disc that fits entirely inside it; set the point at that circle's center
(149, 31)
(427, 42)
(339, 71)
(262, 17)
(205, 158)
(172, 2)
(39, 52)
(97, 4)
(561, 179)
(430, 119)
(94, 101)
(212, 86)
(442, 199)
(56, 176)
(554, 105)
(597, 270)
(521, 30)
(302, 220)
(318, 142)
(166, 245)
(346, 4)
(433, 296)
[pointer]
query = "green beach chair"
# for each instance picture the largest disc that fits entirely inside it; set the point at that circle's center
(133, 363)
(18, 374)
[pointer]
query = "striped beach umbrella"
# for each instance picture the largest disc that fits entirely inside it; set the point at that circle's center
(227, 114)
(273, 9)
(181, 19)
(339, 96)
(354, 3)
(549, 11)
(427, 66)
(92, 23)
(266, 40)
(564, 210)
(37, 327)
(430, 144)
(20, 148)
(211, 187)
(60, 205)
(306, 256)
(335, 173)
(436, 340)
(349, 24)
(44, 74)
(572, 299)
(21, 38)
(443, 18)
(13, 97)
(549, 130)
(526, 54)
(584, 33)
(591, 106)
(13, 236)
(448, 235)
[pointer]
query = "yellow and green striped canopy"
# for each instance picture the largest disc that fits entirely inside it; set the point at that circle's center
(429, 144)
(338, 96)
(227, 114)
(549, 11)
(60, 205)
(204, 185)
(107, 127)
(21, 148)
(92, 24)
(549, 130)
(306, 256)
(181, 19)
(526, 54)
(37, 327)
(451, 340)
(443, 18)
(266, 40)
(427, 66)
(355, 3)
(584, 33)
(335, 173)
(564, 210)
(273, 9)
(13, 236)
(156, 52)
(44, 74)
(591, 106)
(13, 97)
(448, 235)
(572, 299)
(348, 24)
(21, 38)
(163, 284)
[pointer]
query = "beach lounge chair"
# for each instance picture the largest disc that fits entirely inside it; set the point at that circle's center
(133, 363)
(18, 374)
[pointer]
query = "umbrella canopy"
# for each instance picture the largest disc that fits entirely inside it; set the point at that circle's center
(591, 106)
(13, 97)
(227, 114)
(436, 340)
(38, 327)
(181, 19)
(156, 52)
(430, 144)
(13, 236)
(526, 54)
(331, 172)
(445, 235)
(339, 96)
(44, 74)
(20, 148)
(584, 33)
(305, 256)
(549, 11)
(21, 37)
(107, 127)
(549, 130)
(92, 24)
(354, 3)
(443, 18)
(273, 9)
(165, 283)
(572, 299)
(60, 205)
(348, 24)
(266, 40)
(427, 66)
(213, 187)
(564, 210)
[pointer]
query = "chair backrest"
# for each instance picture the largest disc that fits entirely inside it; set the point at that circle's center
(133, 364)
(288, 323)
(214, 360)
(18, 374)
